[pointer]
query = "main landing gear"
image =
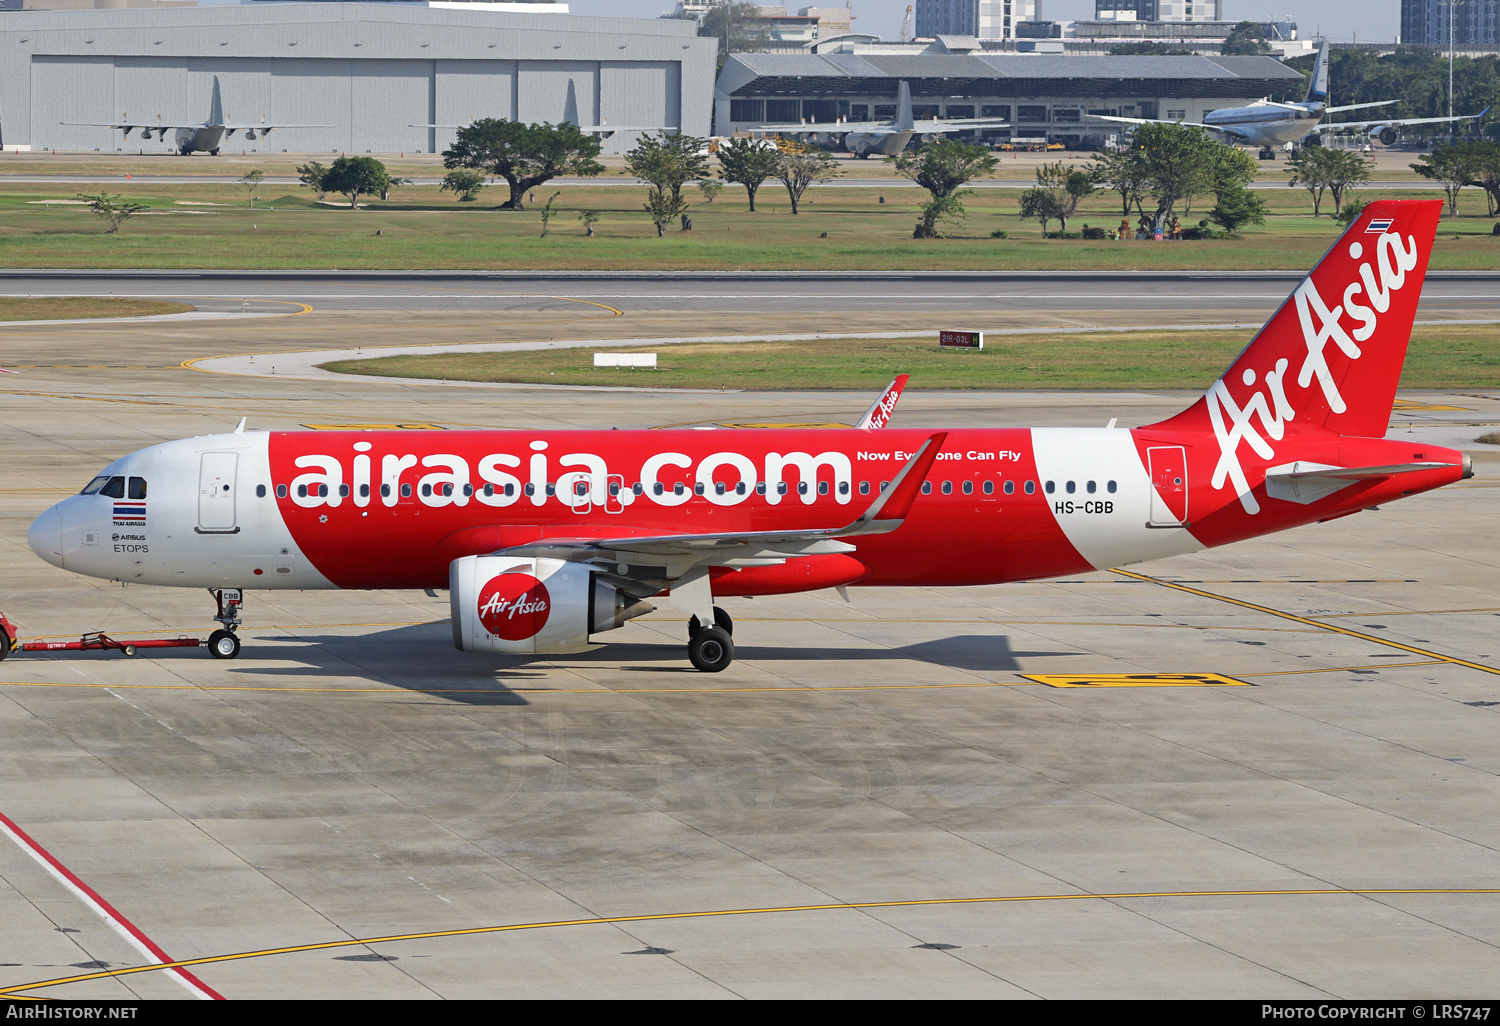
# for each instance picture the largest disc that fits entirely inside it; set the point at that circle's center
(711, 649)
(1267, 153)
(224, 643)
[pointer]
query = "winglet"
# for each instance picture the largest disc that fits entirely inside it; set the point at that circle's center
(879, 413)
(240, 427)
(888, 511)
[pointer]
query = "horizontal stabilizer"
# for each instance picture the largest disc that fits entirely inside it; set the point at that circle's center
(1305, 483)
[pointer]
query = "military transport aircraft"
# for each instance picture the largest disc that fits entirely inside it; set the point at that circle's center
(886, 138)
(547, 537)
(204, 137)
(1269, 124)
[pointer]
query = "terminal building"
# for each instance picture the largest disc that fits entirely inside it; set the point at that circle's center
(1056, 98)
(385, 76)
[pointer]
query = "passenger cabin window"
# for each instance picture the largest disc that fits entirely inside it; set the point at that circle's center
(1090, 487)
(926, 487)
(989, 488)
(1030, 487)
(864, 488)
(969, 487)
(406, 491)
(260, 491)
(1010, 488)
(1050, 487)
(1110, 487)
(947, 487)
(281, 491)
(1071, 488)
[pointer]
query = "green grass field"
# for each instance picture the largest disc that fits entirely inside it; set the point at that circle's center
(1440, 357)
(58, 308)
(212, 226)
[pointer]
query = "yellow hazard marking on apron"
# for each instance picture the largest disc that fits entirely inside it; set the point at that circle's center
(1135, 680)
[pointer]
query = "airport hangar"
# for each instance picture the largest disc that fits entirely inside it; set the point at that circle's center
(370, 70)
(1042, 95)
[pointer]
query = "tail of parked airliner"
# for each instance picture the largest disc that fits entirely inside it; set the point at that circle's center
(1330, 358)
(1317, 86)
(216, 108)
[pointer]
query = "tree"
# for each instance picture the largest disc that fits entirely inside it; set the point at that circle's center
(589, 219)
(1148, 48)
(524, 155)
(113, 209)
(311, 175)
(936, 210)
(1040, 205)
(1246, 39)
(800, 166)
(662, 206)
(1175, 161)
(710, 187)
(1459, 165)
(1351, 211)
(942, 166)
(547, 213)
(668, 162)
(1125, 173)
(391, 183)
(739, 27)
(1486, 172)
(465, 182)
(748, 162)
(1317, 168)
(1237, 208)
(355, 177)
(1231, 168)
(251, 180)
(1067, 185)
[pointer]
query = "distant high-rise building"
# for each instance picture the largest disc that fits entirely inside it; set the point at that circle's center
(1426, 21)
(983, 19)
(1162, 10)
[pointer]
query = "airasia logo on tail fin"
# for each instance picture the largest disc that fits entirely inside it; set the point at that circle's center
(1260, 417)
(514, 606)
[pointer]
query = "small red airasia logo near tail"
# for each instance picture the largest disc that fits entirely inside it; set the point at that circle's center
(514, 606)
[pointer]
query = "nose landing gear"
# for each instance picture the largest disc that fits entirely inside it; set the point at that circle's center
(224, 643)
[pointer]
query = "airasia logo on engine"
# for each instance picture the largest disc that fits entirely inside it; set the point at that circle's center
(514, 606)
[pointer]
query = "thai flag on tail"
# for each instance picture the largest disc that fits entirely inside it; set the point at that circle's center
(1379, 225)
(129, 511)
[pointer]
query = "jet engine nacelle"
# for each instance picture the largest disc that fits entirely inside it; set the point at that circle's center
(1385, 135)
(526, 606)
(249, 133)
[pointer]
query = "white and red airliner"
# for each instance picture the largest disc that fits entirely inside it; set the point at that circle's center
(545, 538)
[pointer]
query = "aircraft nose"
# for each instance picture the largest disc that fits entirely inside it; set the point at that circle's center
(46, 536)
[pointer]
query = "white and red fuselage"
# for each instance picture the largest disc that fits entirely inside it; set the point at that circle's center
(1292, 434)
(392, 509)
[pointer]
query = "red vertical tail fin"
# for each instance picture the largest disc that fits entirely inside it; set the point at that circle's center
(1331, 356)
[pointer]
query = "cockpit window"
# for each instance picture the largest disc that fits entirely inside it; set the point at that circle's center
(137, 488)
(94, 485)
(115, 489)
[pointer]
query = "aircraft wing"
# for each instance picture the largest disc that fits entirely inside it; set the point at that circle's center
(1156, 121)
(265, 127)
(936, 127)
(1358, 106)
(130, 126)
(1397, 122)
(825, 127)
(678, 554)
